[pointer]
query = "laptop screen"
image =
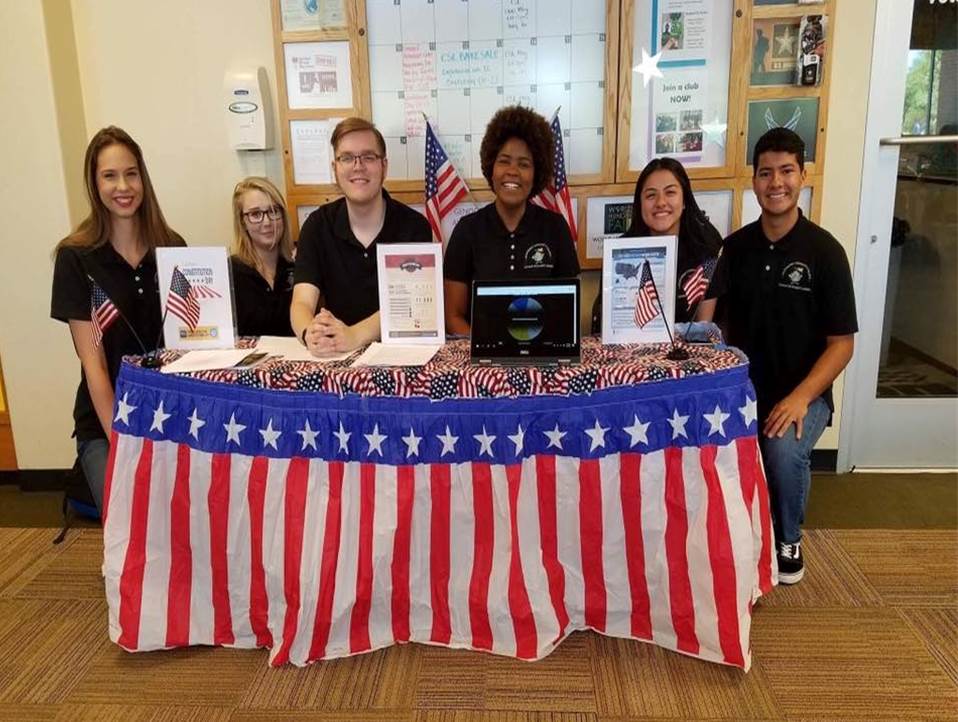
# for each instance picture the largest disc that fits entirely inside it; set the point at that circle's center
(535, 320)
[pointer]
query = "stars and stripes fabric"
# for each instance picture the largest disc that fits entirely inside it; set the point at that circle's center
(697, 283)
(444, 186)
(322, 526)
(555, 196)
(182, 301)
(646, 298)
(103, 312)
(202, 291)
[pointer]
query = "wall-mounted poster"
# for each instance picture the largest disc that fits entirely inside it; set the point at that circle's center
(313, 15)
(798, 114)
(811, 54)
(775, 47)
(684, 113)
(605, 218)
(312, 152)
(318, 75)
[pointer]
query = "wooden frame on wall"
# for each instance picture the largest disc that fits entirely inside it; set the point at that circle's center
(616, 178)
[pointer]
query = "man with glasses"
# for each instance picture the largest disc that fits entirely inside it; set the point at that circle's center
(336, 254)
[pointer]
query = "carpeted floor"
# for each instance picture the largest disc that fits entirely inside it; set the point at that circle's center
(870, 634)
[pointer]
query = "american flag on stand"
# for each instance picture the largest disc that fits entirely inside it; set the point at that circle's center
(697, 284)
(444, 186)
(181, 301)
(336, 527)
(556, 196)
(102, 312)
(647, 298)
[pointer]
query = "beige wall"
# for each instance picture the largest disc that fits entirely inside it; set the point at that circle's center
(39, 365)
(157, 69)
(851, 52)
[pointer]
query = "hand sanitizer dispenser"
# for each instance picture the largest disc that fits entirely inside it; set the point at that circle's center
(246, 113)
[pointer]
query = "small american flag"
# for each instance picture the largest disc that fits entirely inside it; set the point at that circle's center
(697, 284)
(102, 312)
(556, 196)
(646, 300)
(182, 302)
(444, 186)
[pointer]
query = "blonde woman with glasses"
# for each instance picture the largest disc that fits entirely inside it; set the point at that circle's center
(262, 259)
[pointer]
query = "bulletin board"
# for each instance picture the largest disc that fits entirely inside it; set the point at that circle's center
(728, 73)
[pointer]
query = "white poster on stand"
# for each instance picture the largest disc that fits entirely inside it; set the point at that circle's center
(410, 293)
(638, 286)
(196, 298)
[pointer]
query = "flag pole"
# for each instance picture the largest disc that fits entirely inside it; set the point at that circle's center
(676, 353)
(464, 181)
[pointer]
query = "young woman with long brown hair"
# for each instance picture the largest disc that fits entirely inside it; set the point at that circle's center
(109, 257)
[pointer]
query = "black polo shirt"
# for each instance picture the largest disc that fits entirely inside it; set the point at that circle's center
(780, 300)
(481, 247)
(135, 294)
(331, 258)
(261, 310)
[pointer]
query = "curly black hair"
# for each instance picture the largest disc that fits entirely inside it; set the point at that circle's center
(516, 121)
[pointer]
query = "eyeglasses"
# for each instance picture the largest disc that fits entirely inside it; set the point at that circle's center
(364, 158)
(258, 215)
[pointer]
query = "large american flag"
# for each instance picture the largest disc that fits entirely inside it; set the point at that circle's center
(697, 283)
(344, 524)
(556, 195)
(647, 297)
(103, 312)
(444, 186)
(181, 300)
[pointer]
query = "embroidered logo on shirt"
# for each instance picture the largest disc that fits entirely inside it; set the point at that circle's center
(796, 276)
(539, 256)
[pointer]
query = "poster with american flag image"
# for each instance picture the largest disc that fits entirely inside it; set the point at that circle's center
(196, 298)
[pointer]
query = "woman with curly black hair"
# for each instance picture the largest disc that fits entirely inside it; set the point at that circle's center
(664, 205)
(510, 238)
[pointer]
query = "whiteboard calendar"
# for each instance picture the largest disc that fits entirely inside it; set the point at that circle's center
(459, 61)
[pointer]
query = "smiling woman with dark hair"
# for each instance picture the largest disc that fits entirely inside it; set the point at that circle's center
(511, 237)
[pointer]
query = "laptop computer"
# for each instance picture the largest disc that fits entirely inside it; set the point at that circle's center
(529, 322)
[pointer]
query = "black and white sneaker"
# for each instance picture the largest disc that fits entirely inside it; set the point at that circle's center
(791, 567)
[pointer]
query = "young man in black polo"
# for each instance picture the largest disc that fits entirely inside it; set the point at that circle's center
(784, 291)
(336, 253)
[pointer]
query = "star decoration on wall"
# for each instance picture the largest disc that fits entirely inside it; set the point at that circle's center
(649, 67)
(714, 132)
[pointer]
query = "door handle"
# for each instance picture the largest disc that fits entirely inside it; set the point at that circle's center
(919, 140)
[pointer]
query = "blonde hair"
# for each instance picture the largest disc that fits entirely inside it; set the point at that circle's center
(242, 244)
(94, 230)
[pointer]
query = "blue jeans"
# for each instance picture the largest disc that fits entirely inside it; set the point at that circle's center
(788, 468)
(93, 454)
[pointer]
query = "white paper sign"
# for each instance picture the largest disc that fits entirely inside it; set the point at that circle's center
(626, 295)
(196, 298)
(312, 152)
(318, 75)
(410, 293)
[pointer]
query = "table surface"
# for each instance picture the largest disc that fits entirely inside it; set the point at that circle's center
(450, 375)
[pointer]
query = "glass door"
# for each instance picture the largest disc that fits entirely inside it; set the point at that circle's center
(901, 403)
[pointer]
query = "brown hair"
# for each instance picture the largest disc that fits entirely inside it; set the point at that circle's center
(351, 125)
(94, 230)
(242, 245)
(515, 121)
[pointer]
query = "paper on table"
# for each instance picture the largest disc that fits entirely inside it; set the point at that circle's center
(291, 349)
(379, 354)
(206, 360)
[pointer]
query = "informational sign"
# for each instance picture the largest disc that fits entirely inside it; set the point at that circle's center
(313, 15)
(196, 298)
(605, 218)
(683, 114)
(410, 293)
(460, 62)
(638, 289)
(312, 152)
(318, 75)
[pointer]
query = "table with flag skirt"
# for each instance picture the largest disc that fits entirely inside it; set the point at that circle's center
(624, 495)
